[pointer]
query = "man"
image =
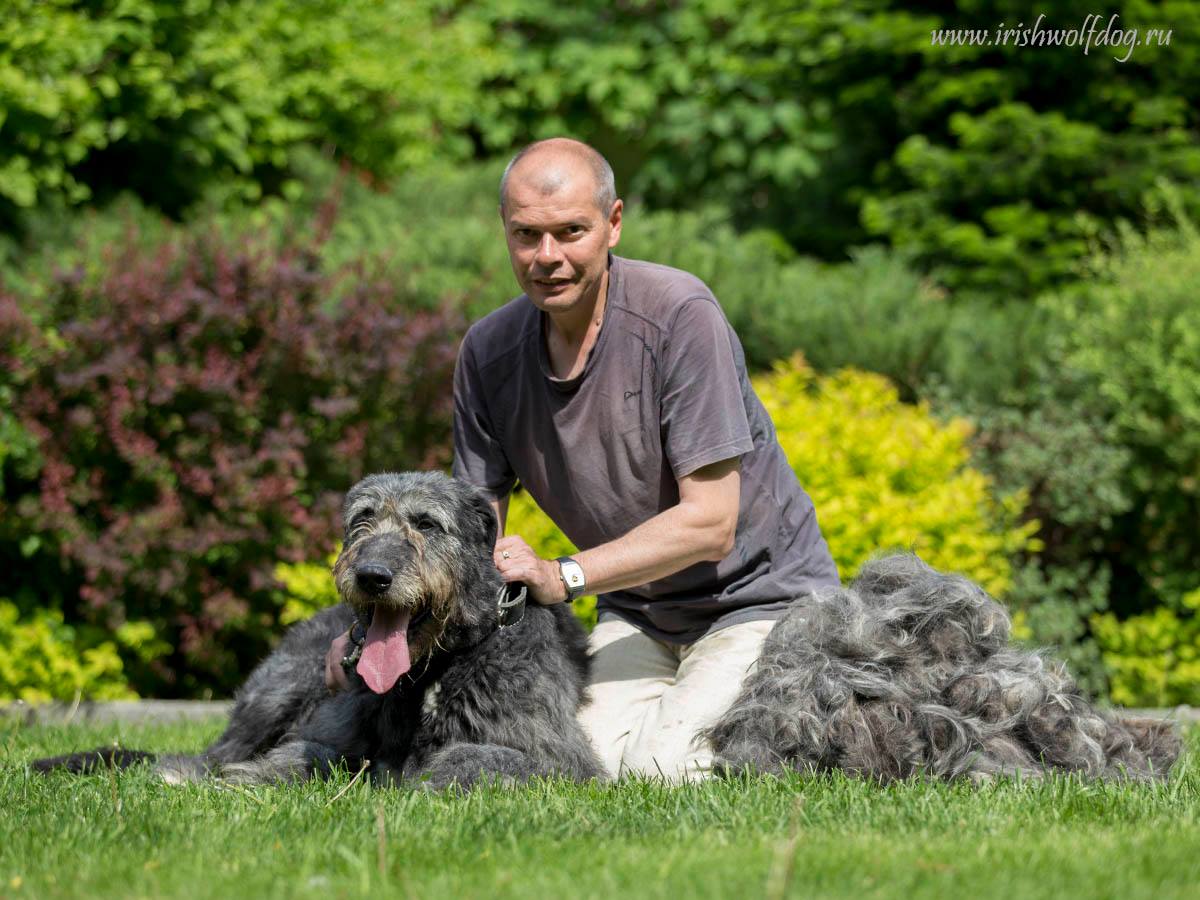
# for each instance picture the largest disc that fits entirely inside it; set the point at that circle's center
(616, 392)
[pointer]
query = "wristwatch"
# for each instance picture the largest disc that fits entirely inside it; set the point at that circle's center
(572, 576)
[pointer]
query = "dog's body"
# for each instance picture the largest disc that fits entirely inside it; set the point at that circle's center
(443, 693)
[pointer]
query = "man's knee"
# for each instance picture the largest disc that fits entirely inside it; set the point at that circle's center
(708, 682)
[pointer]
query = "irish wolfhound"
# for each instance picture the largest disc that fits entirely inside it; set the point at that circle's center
(443, 689)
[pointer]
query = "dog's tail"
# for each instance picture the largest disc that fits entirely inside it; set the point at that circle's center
(93, 760)
(174, 768)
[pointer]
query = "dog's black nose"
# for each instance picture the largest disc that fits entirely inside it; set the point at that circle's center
(373, 578)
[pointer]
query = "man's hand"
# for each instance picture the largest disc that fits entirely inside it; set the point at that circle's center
(517, 562)
(335, 675)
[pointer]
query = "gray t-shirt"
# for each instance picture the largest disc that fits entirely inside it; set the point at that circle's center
(663, 392)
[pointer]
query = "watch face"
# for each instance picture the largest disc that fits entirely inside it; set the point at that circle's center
(572, 576)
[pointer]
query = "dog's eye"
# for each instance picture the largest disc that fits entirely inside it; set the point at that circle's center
(426, 523)
(365, 516)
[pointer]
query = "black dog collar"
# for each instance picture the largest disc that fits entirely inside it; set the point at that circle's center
(510, 604)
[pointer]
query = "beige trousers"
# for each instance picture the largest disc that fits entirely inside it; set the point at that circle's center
(649, 699)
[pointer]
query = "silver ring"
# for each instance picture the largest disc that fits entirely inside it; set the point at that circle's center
(504, 554)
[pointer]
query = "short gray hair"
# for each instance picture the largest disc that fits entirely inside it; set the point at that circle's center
(602, 173)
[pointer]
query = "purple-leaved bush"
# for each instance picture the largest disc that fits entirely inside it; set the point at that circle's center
(198, 411)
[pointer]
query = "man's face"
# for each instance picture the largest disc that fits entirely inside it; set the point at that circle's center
(558, 242)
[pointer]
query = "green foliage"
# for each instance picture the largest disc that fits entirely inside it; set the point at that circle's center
(1049, 440)
(162, 97)
(1154, 658)
(831, 123)
(308, 587)
(1102, 435)
(1133, 331)
(885, 475)
(42, 658)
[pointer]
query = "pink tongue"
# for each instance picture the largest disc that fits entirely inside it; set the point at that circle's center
(385, 654)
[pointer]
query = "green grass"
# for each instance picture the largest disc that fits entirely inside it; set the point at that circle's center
(127, 835)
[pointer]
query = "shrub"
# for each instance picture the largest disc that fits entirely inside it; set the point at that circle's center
(164, 98)
(831, 122)
(307, 588)
(888, 475)
(1049, 440)
(197, 413)
(872, 312)
(1133, 332)
(41, 658)
(1154, 658)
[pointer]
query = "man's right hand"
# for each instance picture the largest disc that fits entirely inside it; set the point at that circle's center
(335, 675)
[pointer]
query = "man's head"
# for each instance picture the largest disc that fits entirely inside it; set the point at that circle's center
(561, 216)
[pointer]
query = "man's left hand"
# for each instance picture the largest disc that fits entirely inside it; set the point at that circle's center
(517, 562)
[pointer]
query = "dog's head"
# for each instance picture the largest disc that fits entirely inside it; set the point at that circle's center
(416, 547)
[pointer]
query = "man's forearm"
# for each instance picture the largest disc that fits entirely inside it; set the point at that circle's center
(701, 526)
(674, 539)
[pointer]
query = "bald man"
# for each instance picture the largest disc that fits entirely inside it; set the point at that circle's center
(616, 393)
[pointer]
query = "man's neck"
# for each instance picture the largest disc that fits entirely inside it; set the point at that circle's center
(571, 336)
(572, 327)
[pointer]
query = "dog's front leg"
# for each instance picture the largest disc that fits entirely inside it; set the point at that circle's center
(339, 733)
(293, 760)
(466, 765)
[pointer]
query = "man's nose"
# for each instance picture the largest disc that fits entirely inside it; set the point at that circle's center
(548, 251)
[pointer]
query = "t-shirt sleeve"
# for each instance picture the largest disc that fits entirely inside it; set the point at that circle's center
(703, 411)
(479, 457)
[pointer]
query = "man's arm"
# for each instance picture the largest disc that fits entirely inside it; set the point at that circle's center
(700, 527)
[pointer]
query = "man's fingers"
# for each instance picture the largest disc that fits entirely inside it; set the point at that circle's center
(511, 549)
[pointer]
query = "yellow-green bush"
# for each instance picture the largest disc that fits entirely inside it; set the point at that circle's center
(887, 475)
(41, 658)
(307, 588)
(883, 475)
(1153, 659)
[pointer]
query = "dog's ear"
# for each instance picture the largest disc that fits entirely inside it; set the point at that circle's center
(485, 518)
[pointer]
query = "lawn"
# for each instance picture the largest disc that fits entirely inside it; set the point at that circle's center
(126, 835)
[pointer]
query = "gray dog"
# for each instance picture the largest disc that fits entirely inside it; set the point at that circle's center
(450, 680)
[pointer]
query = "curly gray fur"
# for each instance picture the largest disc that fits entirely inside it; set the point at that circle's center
(910, 671)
